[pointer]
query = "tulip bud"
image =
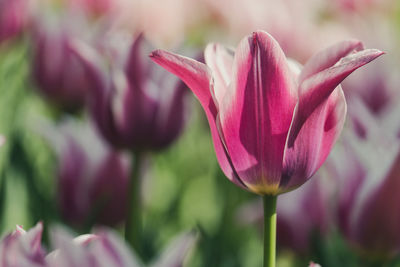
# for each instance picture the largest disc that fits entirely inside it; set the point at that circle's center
(59, 75)
(137, 106)
(92, 178)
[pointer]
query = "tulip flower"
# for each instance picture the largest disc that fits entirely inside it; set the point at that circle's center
(59, 75)
(13, 17)
(367, 170)
(92, 178)
(102, 249)
(272, 124)
(137, 106)
(21, 248)
(140, 107)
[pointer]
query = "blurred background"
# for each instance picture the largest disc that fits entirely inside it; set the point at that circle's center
(74, 124)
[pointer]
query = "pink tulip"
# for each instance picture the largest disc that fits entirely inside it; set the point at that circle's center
(272, 124)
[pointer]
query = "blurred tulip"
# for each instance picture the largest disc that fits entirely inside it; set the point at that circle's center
(92, 178)
(13, 17)
(106, 249)
(102, 249)
(312, 264)
(310, 205)
(141, 107)
(59, 75)
(22, 249)
(276, 124)
(367, 170)
(374, 86)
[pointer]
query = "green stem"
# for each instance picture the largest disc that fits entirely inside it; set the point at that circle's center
(133, 225)
(269, 230)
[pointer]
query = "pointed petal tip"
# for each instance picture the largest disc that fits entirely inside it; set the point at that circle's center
(158, 53)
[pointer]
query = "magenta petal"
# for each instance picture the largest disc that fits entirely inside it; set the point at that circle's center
(328, 57)
(317, 88)
(314, 141)
(198, 78)
(257, 110)
(220, 60)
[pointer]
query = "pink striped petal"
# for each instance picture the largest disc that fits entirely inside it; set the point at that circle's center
(197, 77)
(314, 141)
(257, 110)
(220, 60)
(317, 88)
(329, 57)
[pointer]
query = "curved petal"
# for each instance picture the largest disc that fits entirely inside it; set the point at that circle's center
(257, 111)
(198, 78)
(100, 87)
(314, 141)
(329, 57)
(220, 60)
(317, 88)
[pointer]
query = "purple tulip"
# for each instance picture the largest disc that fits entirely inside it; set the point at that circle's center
(22, 249)
(92, 178)
(273, 125)
(104, 248)
(59, 75)
(13, 17)
(138, 106)
(367, 169)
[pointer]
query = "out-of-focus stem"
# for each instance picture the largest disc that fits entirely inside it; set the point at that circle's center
(133, 224)
(269, 230)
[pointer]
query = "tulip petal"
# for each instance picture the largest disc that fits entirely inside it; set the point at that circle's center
(314, 141)
(220, 61)
(328, 57)
(376, 227)
(198, 78)
(99, 86)
(317, 88)
(257, 110)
